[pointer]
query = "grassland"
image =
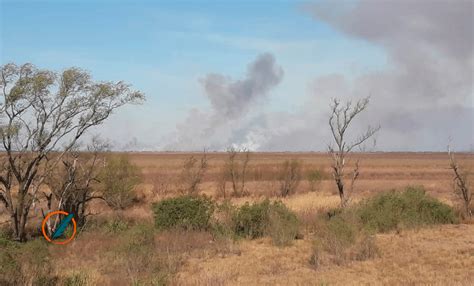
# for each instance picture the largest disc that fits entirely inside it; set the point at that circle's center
(436, 255)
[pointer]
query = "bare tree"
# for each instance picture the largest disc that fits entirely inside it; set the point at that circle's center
(71, 184)
(290, 177)
(339, 121)
(192, 174)
(43, 114)
(235, 171)
(461, 187)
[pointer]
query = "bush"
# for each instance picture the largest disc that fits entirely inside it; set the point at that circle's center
(192, 174)
(186, 212)
(347, 234)
(343, 230)
(335, 236)
(283, 225)
(411, 208)
(223, 224)
(341, 238)
(251, 220)
(314, 178)
(118, 178)
(290, 177)
(234, 171)
(265, 218)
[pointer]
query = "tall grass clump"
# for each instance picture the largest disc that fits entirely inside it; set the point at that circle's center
(408, 209)
(136, 255)
(10, 271)
(186, 212)
(341, 238)
(26, 263)
(77, 278)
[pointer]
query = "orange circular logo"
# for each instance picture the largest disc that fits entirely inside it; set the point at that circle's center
(60, 229)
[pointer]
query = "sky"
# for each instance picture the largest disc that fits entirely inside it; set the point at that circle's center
(262, 74)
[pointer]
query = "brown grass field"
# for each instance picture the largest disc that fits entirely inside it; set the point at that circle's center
(438, 255)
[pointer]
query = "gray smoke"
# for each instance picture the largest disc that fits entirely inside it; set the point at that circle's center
(232, 99)
(228, 122)
(425, 95)
(430, 45)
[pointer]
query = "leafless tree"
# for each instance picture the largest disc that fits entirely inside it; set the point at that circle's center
(235, 171)
(43, 114)
(71, 184)
(192, 174)
(461, 186)
(290, 177)
(339, 121)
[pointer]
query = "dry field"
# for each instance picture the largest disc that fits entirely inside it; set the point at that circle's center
(440, 255)
(379, 172)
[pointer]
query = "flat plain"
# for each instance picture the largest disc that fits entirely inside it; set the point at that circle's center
(437, 255)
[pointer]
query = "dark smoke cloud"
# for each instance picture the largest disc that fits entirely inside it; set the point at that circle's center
(423, 96)
(231, 100)
(426, 92)
(430, 44)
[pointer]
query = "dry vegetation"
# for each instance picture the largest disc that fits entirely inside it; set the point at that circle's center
(122, 246)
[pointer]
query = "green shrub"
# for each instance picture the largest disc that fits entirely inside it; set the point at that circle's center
(283, 224)
(265, 218)
(186, 212)
(118, 179)
(342, 230)
(341, 238)
(347, 234)
(223, 224)
(336, 235)
(251, 220)
(411, 208)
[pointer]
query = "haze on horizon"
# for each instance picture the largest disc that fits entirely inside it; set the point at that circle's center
(261, 75)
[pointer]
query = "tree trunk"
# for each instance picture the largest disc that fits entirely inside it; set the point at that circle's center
(19, 224)
(19, 216)
(342, 194)
(468, 211)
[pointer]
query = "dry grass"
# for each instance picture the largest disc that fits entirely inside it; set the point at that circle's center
(439, 255)
(379, 172)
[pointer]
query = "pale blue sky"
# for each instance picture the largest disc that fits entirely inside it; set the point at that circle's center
(165, 47)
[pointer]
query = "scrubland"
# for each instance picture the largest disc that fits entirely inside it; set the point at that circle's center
(404, 226)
